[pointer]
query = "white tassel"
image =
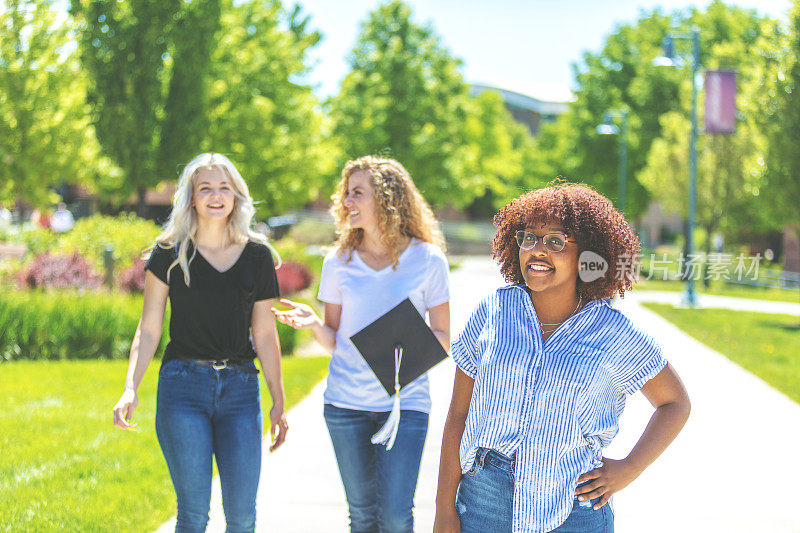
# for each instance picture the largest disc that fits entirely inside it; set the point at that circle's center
(387, 434)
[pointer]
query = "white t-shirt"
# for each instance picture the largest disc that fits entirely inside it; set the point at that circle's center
(422, 275)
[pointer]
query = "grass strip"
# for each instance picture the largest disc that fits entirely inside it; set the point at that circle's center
(719, 288)
(762, 343)
(64, 467)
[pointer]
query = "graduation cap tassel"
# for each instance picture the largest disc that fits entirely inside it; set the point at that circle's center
(388, 432)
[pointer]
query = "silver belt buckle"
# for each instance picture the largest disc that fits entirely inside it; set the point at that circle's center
(219, 365)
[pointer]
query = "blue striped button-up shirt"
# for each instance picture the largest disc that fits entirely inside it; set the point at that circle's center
(555, 404)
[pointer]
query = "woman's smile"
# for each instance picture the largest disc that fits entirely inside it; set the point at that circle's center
(539, 268)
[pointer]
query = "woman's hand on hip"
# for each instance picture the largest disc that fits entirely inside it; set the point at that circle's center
(123, 410)
(277, 418)
(603, 482)
(447, 522)
(300, 316)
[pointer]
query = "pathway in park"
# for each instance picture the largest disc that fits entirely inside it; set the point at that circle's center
(732, 469)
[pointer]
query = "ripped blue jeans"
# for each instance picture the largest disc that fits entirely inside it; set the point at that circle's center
(486, 496)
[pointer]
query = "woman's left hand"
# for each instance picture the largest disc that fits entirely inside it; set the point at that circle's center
(612, 477)
(300, 316)
(277, 417)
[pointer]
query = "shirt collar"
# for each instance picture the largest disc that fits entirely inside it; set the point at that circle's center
(591, 303)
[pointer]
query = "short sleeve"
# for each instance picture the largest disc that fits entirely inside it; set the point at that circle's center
(638, 360)
(159, 262)
(266, 277)
(465, 350)
(437, 290)
(329, 288)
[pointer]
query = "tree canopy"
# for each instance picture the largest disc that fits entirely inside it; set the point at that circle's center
(261, 113)
(404, 97)
(172, 78)
(46, 138)
(622, 75)
(125, 50)
(730, 167)
(780, 120)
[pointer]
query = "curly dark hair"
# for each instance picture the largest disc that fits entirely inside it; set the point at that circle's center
(588, 217)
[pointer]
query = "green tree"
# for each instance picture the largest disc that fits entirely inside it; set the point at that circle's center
(497, 162)
(730, 167)
(405, 97)
(729, 171)
(147, 107)
(45, 134)
(261, 113)
(622, 75)
(780, 98)
(186, 118)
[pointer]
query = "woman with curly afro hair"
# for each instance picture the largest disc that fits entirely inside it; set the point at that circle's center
(544, 366)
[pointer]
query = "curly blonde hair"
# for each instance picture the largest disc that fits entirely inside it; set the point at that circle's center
(401, 210)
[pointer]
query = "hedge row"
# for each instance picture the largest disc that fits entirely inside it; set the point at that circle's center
(70, 325)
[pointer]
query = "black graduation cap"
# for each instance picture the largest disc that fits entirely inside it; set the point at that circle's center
(404, 328)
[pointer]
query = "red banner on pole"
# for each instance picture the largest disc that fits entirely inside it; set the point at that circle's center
(720, 114)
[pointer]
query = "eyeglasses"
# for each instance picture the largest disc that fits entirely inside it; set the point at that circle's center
(553, 242)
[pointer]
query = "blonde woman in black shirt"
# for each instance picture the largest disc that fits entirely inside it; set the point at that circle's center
(220, 279)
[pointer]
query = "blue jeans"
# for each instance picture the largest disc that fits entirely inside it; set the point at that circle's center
(379, 484)
(203, 412)
(486, 495)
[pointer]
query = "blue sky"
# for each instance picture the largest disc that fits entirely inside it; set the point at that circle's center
(523, 45)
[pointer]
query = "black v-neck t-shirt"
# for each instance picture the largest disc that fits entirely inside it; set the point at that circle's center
(210, 319)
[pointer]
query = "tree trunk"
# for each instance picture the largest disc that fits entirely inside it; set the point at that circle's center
(141, 206)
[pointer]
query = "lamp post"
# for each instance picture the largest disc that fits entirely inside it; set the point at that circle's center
(608, 128)
(669, 60)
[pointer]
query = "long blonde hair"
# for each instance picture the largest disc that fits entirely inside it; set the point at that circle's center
(401, 209)
(181, 227)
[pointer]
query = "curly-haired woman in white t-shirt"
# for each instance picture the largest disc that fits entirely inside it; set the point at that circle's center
(389, 249)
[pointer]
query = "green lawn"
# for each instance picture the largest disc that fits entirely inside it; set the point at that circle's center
(720, 288)
(762, 343)
(63, 466)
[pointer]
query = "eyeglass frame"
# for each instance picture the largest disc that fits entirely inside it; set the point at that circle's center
(541, 239)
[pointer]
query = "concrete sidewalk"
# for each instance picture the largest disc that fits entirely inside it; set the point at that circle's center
(730, 470)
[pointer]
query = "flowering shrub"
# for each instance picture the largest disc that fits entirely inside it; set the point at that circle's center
(132, 278)
(37, 240)
(49, 271)
(127, 234)
(293, 277)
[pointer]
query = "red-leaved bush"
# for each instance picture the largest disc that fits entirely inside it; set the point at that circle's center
(132, 278)
(293, 277)
(48, 271)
